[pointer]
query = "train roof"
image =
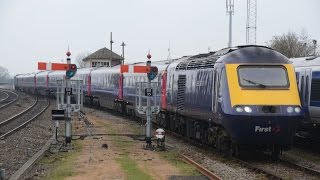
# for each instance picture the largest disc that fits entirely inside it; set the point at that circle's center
(251, 54)
(234, 55)
(25, 75)
(306, 61)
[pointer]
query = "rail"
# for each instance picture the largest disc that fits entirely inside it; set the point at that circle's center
(24, 122)
(11, 99)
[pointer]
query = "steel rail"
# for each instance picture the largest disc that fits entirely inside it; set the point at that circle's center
(2, 123)
(26, 122)
(300, 167)
(10, 102)
(201, 169)
(268, 174)
(7, 96)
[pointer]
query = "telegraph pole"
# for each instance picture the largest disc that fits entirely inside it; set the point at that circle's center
(230, 12)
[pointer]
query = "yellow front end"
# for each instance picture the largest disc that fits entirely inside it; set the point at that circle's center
(262, 96)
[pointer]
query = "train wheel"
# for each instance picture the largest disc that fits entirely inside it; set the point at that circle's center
(275, 152)
(234, 150)
(223, 144)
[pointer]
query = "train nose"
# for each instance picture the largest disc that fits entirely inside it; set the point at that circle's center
(262, 130)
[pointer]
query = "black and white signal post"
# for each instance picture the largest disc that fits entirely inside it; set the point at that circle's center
(146, 90)
(149, 94)
(68, 91)
(65, 88)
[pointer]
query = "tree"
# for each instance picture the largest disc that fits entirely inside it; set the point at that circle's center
(4, 74)
(293, 45)
(79, 59)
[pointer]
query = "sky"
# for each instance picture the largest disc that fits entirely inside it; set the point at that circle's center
(41, 30)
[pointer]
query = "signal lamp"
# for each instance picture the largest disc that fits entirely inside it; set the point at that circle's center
(153, 73)
(71, 71)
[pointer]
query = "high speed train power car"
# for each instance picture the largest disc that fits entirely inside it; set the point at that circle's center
(240, 97)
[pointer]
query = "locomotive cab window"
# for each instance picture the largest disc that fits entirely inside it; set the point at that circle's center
(263, 77)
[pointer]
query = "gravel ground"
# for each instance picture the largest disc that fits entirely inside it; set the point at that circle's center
(18, 147)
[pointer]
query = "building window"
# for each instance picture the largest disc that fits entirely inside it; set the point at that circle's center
(107, 64)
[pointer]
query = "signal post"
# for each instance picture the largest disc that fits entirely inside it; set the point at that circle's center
(67, 109)
(68, 91)
(149, 91)
(148, 113)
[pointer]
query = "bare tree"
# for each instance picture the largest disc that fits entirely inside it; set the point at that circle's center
(4, 74)
(294, 45)
(79, 59)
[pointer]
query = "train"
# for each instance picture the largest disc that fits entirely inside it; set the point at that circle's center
(308, 79)
(244, 97)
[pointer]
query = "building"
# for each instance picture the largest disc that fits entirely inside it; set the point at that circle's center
(102, 58)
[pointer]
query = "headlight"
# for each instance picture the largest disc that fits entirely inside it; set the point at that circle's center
(289, 109)
(247, 109)
(297, 109)
(239, 109)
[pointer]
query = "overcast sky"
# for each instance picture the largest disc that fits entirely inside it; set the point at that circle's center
(41, 30)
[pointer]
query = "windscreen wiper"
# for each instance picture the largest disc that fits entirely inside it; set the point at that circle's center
(255, 83)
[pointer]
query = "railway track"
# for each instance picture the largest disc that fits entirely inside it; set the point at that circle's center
(12, 97)
(280, 169)
(4, 94)
(18, 121)
(201, 169)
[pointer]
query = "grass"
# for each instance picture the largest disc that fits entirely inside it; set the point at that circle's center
(62, 163)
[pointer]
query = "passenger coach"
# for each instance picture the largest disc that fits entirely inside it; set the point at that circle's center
(308, 79)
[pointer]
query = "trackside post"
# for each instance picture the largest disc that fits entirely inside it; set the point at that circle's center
(150, 91)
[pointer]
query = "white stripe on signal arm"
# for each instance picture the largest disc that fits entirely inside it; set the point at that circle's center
(49, 66)
(130, 69)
